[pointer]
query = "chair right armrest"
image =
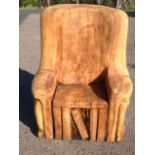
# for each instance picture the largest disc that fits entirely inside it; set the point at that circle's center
(44, 84)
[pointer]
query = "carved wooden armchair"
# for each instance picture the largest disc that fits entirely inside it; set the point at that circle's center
(83, 80)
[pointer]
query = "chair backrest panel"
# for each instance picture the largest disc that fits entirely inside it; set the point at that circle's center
(83, 38)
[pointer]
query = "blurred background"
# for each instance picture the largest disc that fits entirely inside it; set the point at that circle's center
(127, 5)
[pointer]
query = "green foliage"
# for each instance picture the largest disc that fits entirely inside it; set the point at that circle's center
(44, 3)
(62, 1)
(110, 2)
(25, 3)
(129, 8)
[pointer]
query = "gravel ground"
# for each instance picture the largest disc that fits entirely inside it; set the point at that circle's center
(29, 60)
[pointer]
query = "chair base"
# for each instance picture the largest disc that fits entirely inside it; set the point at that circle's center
(79, 113)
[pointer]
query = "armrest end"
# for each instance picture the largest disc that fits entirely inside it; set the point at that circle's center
(120, 85)
(44, 84)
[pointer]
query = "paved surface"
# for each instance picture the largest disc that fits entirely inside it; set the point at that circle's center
(29, 60)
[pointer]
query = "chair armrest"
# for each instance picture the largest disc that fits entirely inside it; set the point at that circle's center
(44, 84)
(118, 84)
(119, 89)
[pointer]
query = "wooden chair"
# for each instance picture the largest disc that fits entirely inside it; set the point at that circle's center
(86, 105)
(83, 81)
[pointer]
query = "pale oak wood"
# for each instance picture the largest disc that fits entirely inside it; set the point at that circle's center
(80, 124)
(76, 97)
(67, 127)
(58, 122)
(102, 125)
(93, 123)
(79, 44)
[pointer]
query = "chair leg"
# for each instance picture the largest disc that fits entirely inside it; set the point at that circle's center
(112, 119)
(80, 123)
(57, 123)
(121, 120)
(102, 121)
(47, 118)
(67, 127)
(93, 123)
(39, 118)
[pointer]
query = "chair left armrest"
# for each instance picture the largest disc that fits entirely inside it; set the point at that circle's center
(120, 85)
(119, 90)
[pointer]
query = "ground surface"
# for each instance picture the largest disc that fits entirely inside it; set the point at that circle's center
(29, 61)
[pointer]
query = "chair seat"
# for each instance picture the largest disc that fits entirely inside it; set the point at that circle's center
(80, 96)
(86, 105)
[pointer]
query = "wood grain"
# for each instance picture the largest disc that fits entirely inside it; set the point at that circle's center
(93, 123)
(58, 122)
(102, 125)
(81, 45)
(67, 128)
(80, 123)
(78, 95)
